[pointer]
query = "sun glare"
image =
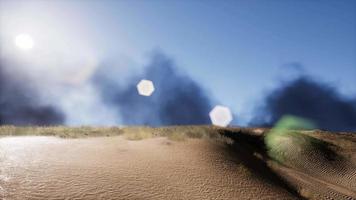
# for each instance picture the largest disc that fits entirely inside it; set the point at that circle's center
(24, 41)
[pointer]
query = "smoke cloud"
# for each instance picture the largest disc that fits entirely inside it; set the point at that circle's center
(20, 104)
(309, 99)
(177, 100)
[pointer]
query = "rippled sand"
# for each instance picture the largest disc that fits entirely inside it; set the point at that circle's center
(116, 168)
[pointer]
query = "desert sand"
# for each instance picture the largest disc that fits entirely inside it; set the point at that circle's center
(48, 167)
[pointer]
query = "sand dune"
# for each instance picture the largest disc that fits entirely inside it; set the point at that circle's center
(47, 167)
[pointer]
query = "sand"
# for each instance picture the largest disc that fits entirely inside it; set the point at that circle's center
(180, 162)
(36, 167)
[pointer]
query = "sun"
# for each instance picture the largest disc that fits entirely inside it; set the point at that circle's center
(24, 41)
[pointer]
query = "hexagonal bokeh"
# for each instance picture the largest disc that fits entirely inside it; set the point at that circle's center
(145, 87)
(220, 116)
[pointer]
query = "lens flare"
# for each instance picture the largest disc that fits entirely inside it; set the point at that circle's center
(220, 116)
(145, 87)
(284, 138)
(24, 41)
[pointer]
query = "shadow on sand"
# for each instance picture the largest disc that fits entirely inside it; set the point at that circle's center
(245, 147)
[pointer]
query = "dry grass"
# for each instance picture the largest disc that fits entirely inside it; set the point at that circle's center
(175, 133)
(137, 133)
(60, 131)
(178, 133)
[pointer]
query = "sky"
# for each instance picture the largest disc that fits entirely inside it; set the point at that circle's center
(236, 50)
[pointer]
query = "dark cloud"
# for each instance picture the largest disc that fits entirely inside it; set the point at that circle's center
(19, 104)
(177, 100)
(309, 99)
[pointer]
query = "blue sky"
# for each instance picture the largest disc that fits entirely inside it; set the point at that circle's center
(237, 50)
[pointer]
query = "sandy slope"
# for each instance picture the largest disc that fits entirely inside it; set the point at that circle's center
(115, 168)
